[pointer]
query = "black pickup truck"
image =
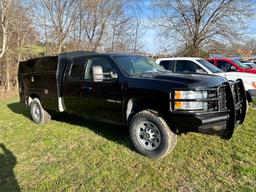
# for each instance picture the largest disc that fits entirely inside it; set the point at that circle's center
(133, 91)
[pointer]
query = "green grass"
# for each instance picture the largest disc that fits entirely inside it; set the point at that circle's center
(70, 154)
(35, 51)
(39, 50)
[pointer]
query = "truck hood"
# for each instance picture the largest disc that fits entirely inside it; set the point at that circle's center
(191, 81)
(247, 78)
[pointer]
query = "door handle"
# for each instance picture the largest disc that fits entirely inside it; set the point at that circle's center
(87, 88)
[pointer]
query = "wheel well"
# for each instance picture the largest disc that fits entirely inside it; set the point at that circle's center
(31, 97)
(135, 105)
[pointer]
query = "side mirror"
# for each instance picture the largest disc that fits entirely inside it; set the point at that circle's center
(97, 74)
(232, 68)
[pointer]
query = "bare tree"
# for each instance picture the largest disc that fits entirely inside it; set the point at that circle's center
(59, 18)
(4, 9)
(195, 23)
(126, 27)
(137, 31)
(86, 24)
(107, 25)
(17, 35)
(95, 19)
(118, 30)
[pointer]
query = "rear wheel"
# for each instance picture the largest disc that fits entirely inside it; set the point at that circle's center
(151, 135)
(39, 115)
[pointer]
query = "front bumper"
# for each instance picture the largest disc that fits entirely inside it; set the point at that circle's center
(221, 122)
(252, 96)
(212, 124)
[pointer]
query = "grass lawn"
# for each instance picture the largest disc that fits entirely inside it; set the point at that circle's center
(70, 154)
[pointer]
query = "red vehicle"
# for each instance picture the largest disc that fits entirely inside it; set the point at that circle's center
(227, 65)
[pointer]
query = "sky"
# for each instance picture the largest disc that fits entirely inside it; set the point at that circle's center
(150, 43)
(149, 38)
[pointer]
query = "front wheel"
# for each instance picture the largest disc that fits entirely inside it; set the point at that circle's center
(151, 135)
(39, 115)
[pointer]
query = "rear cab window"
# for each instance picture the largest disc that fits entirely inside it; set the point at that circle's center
(77, 68)
(185, 66)
(168, 64)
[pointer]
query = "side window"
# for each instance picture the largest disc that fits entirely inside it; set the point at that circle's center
(99, 61)
(183, 66)
(77, 69)
(224, 66)
(168, 65)
(164, 64)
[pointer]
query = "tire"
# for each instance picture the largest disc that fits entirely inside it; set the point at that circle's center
(39, 115)
(150, 134)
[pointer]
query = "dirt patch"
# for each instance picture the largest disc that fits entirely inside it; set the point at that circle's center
(8, 94)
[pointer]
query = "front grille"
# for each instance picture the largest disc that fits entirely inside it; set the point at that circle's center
(217, 99)
(237, 93)
(222, 104)
(212, 104)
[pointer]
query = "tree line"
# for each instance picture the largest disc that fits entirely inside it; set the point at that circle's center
(32, 28)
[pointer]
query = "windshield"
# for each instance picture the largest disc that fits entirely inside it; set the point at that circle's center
(252, 65)
(134, 65)
(240, 64)
(210, 66)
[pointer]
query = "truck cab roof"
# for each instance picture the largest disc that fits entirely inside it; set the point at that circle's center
(178, 58)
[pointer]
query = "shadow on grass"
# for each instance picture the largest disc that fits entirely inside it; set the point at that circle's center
(8, 180)
(114, 133)
(19, 109)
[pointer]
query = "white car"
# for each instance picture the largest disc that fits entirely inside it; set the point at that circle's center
(199, 65)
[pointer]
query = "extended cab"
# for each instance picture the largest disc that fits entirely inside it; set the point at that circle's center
(132, 90)
(198, 65)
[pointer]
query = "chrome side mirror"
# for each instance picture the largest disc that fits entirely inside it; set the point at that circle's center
(97, 74)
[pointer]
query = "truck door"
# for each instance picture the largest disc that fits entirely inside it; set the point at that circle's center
(106, 99)
(72, 83)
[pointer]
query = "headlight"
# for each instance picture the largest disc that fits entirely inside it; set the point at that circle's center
(186, 104)
(254, 84)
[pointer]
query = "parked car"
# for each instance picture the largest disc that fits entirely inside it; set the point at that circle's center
(227, 65)
(199, 65)
(133, 91)
(250, 64)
